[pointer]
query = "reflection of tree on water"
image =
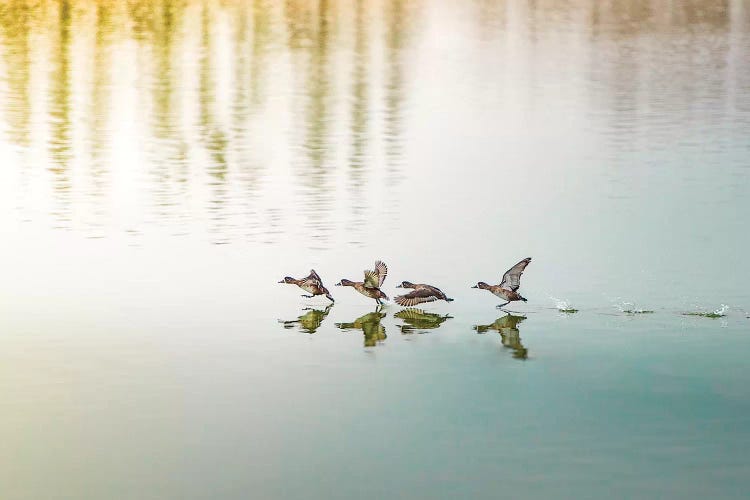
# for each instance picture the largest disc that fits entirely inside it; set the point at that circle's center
(168, 149)
(60, 122)
(99, 115)
(310, 321)
(417, 319)
(252, 38)
(359, 118)
(213, 137)
(507, 326)
(313, 40)
(397, 17)
(15, 29)
(370, 325)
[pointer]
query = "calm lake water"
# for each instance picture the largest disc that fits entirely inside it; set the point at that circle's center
(164, 163)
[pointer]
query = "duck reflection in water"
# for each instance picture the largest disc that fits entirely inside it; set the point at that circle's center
(417, 320)
(308, 322)
(507, 326)
(370, 325)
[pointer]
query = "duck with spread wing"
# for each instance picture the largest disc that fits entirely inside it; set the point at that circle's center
(420, 293)
(312, 284)
(370, 287)
(508, 287)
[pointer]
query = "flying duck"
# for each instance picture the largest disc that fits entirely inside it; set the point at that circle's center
(311, 284)
(421, 293)
(370, 287)
(507, 289)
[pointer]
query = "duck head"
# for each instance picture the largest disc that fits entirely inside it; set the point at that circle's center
(345, 282)
(405, 284)
(288, 279)
(482, 285)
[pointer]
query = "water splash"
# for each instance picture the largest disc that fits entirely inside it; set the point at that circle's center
(717, 313)
(564, 306)
(629, 308)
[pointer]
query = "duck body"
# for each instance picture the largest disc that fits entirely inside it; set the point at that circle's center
(508, 287)
(422, 292)
(370, 287)
(312, 284)
(500, 292)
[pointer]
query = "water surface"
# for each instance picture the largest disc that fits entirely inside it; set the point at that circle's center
(165, 163)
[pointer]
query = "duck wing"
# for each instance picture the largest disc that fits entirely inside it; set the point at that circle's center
(382, 271)
(313, 278)
(371, 279)
(375, 278)
(512, 277)
(416, 297)
(435, 291)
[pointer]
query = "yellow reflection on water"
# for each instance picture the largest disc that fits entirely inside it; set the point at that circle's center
(310, 321)
(260, 120)
(176, 111)
(371, 326)
(417, 320)
(507, 327)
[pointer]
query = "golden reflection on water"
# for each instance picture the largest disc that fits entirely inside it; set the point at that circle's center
(308, 322)
(178, 93)
(371, 326)
(507, 327)
(251, 118)
(418, 321)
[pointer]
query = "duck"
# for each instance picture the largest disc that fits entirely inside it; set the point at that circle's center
(508, 287)
(311, 284)
(370, 287)
(422, 293)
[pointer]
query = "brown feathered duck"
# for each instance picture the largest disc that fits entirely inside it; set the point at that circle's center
(370, 287)
(508, 287)
(312, 284)
(421, 293)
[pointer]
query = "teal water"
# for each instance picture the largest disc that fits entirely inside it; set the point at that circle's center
(164, 164)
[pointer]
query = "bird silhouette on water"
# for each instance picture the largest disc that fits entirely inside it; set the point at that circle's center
(507, 327)
(418, 320)
(371, 326)
(310, 321)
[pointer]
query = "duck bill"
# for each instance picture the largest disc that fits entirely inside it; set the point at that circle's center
(475, 286)
(399, 286)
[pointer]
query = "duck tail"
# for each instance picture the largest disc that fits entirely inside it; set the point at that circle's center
(524, 299)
